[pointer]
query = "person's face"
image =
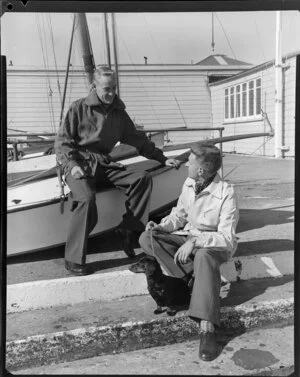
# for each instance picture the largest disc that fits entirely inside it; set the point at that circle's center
(195, 170)
(106, 88)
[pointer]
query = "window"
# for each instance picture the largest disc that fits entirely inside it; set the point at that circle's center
(243, 101)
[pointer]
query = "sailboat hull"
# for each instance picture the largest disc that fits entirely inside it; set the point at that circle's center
(43, 226)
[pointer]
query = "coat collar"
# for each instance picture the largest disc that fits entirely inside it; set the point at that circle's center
(215, 188)
(93, 100)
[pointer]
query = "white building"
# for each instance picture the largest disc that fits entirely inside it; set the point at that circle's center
(245, 103)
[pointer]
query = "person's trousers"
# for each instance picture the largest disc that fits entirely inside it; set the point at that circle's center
(137, 186)
(205, 300)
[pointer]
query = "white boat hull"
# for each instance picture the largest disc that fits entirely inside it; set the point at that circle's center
(35, 223)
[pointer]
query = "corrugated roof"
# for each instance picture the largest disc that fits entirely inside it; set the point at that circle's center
(221, 60)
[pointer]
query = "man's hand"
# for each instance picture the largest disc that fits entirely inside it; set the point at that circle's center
(184, 252)
(173, 162)
(152, 226)
(77, 172)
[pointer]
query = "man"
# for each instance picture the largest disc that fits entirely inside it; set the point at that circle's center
(91, 128)
(196, 237)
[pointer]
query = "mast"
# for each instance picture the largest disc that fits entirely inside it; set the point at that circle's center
(85, 45)
(278, 88)
(107, 40)
(212, 32)
(115, 51)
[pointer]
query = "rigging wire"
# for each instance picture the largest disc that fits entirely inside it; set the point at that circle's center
(165, 77)
(225, 35)
(261, 45)
(54, 55)
(140, 80)
(48, 88)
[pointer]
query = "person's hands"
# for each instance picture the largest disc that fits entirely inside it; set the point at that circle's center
(172, 162)
(182, 254)
(77, 172)
(152, 226)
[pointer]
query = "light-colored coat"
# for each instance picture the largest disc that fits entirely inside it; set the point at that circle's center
(211, 217)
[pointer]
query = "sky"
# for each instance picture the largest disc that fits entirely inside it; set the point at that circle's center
(31, 39)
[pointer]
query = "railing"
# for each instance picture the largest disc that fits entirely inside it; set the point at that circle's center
(51, 136)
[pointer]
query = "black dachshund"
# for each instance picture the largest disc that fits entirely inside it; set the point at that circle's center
(166, 291)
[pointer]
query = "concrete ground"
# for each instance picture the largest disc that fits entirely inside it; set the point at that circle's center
(263, 352)
(82, 331)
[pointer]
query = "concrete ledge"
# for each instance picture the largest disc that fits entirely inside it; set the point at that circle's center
(128, 336)
(118, 284)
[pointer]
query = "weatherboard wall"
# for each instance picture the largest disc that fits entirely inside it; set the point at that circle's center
(262, 145)
(156, 99)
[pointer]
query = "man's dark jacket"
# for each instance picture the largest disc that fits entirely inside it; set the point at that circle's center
(90, 130)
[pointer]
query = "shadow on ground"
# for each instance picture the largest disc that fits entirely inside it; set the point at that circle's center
(245, 290)
(258, 218)
(263, 247)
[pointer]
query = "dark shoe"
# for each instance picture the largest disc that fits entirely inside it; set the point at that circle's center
(208, 349)
(77, 269)
(128, 237)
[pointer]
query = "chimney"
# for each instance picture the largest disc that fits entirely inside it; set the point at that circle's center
(145, 57)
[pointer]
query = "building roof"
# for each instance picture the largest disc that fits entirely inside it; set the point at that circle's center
(256, 68)
(221, 60)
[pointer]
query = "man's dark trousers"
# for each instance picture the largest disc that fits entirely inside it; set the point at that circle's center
(205, 300)
(137, 185)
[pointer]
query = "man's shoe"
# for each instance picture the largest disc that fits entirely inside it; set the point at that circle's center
(128, 243)
(208, 349)
(77, 269)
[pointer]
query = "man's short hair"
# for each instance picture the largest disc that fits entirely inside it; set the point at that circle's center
(103, 71)
(208, 155)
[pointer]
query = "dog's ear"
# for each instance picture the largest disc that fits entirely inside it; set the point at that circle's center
(151, 265)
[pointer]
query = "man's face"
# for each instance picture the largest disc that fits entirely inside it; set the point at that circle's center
(194, 166)
(106, 88)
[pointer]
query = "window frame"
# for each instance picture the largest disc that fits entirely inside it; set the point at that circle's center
(241, 93)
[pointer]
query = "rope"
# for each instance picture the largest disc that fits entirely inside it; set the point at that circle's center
(31, 177)
(151, 241)
(152, 249)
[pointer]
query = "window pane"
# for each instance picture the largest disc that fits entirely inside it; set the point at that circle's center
(258, 82)
(258, 100)
(244, 103)
(238, 105)
(226, 92)
(231, 102)
(226, 107)
(251, 102)
(251, 84)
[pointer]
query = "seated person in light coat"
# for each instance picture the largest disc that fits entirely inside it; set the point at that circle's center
(196, 237)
